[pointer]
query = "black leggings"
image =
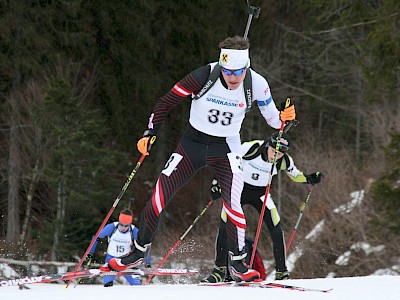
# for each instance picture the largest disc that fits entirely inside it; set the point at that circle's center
(251, 196)
(195, 151)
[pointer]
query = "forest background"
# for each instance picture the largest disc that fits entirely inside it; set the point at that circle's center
(78, 80)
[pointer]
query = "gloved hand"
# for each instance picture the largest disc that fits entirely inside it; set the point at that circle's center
(144, 143)
(288, 113)
(215, 189)
(147, 265)
(314, 178)
(87, 262)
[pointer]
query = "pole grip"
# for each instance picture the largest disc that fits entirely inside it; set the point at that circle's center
(287, 103)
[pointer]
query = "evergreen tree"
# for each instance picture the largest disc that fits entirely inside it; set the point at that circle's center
(77, 166)
(386, 191)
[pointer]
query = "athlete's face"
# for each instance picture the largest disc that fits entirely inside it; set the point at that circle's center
(123, 227)
(234, 78)
(271, 151)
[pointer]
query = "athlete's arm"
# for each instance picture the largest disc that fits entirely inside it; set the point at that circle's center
(187, 86)
(249, 148)
(106, 231)
(135, 233)
(262, 95)
(294, 174)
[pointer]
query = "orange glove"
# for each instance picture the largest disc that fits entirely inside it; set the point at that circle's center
(142, 145)
(145, 143)
(288, 113)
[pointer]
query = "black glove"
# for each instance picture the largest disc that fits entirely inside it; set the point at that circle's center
(147, 265)
(215, 189)
(87, 262)
(314, 178)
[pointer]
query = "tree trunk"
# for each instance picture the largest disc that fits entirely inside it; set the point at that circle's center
(29, 199)
(13, 224)
(59, 222)
(360, 88)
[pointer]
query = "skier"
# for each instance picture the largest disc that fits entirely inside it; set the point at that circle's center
(120, 240)
(211, 139)
(257, 162)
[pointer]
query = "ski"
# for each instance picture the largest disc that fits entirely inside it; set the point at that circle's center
(228, 283)
(93, 273)
(264, 284)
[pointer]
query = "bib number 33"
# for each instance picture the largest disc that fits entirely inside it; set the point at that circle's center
(215, 116)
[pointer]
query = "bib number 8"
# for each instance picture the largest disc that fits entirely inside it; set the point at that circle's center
(215, 116)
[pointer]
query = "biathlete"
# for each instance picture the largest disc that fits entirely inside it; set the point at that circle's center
(218, 108)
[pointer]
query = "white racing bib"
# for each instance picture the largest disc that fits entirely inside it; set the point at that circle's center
(220, 112)
(120, 243)
(257, 171)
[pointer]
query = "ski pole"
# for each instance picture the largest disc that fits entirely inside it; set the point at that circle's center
(180, 239)
(121, 193)
(84, 268)
(302, 207)
(291, 123)
(253, 12)
(260, 221)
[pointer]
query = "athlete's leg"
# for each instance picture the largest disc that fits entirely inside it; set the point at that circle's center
(133, 279)
(187, 159)
(226, 162)
(231, 189)
(221, 254)
(108, 280)
(221, 244)
(272, 221)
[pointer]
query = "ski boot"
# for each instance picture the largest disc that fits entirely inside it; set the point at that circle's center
(217, 275)
(109, 284)
(238, 268)
(282, 275)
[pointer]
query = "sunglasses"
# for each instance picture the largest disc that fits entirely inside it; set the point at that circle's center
(233, 72)
(124, 225)
(282, 147)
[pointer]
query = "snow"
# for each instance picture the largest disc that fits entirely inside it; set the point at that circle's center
(356, 199)
(382, 284)
(364, 288)
(367, 248)
(312, 236)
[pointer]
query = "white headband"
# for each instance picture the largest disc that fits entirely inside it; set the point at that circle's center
(233, 59)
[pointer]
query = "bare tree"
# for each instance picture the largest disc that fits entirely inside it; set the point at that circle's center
(13, 224)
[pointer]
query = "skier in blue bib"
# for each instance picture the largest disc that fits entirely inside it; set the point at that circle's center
(120, 240)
